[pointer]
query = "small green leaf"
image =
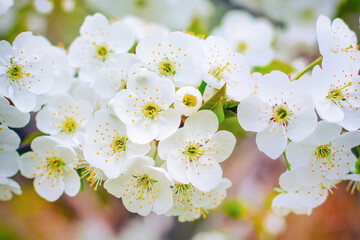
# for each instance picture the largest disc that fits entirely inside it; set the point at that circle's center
(219, 111)
(202, 87)
(215, 104)
(218, 97)
(275, 65)
(29, 138)
(229, 114)
(231, 104)
(232, 125)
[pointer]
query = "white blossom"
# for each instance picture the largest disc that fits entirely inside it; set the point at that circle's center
(143, 188)
(280, 110)
(175, 56)
(24, 72)
(336, 92)
(7, 188)
(99, 43)
(64, 118)
(53, 167)
(191, 203)
(108, 146)
(325, 154)
(248, 35)
(193, 153)
(144, 107)
(221, 65)
(337, 38)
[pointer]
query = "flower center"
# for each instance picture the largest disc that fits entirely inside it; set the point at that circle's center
(193, 151)
(69, 125)
(54, 164)
(189, 100)
(324, 151)
(119, 144)
(335, 94)
(102, 52)
(167, 68)
(183, 189)
(145, 183)
(281, 114)
(151, 110)
(242, 47)
(217, 71)
(93, 175)
(15, 72)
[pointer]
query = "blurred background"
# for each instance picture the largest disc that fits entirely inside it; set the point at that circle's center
(246, 212)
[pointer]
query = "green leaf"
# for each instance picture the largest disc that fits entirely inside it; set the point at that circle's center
(219, 111)
(29, 138)
(232, 125)
(202, 87)
(215, 104)
(218, 97)
(231, 104)
(275, 65)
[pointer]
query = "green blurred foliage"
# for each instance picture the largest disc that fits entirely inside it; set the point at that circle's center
(233, 209)
(349, 11)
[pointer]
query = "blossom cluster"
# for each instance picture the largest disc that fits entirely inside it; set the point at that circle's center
(135, 109)
(130, 122)
(314, 121)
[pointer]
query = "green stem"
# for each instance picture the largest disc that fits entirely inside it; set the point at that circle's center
(308, 68)
(287, 162)
(156, 151)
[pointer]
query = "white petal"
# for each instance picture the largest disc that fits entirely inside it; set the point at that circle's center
(8, 163)
(329, 111)
(12, 117)
(272, 141)
(347, 140)
(222, 144)
(9, 140)
(304, 124)
(306, 177)
(50, 189)
(23, 100)
(300, 154)
(176, 166)
(287, 181)
(29, 164)
(168, 123)
(253, 114)
(72, 182)
(205, 178)
(204, 121)
(177, 140)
